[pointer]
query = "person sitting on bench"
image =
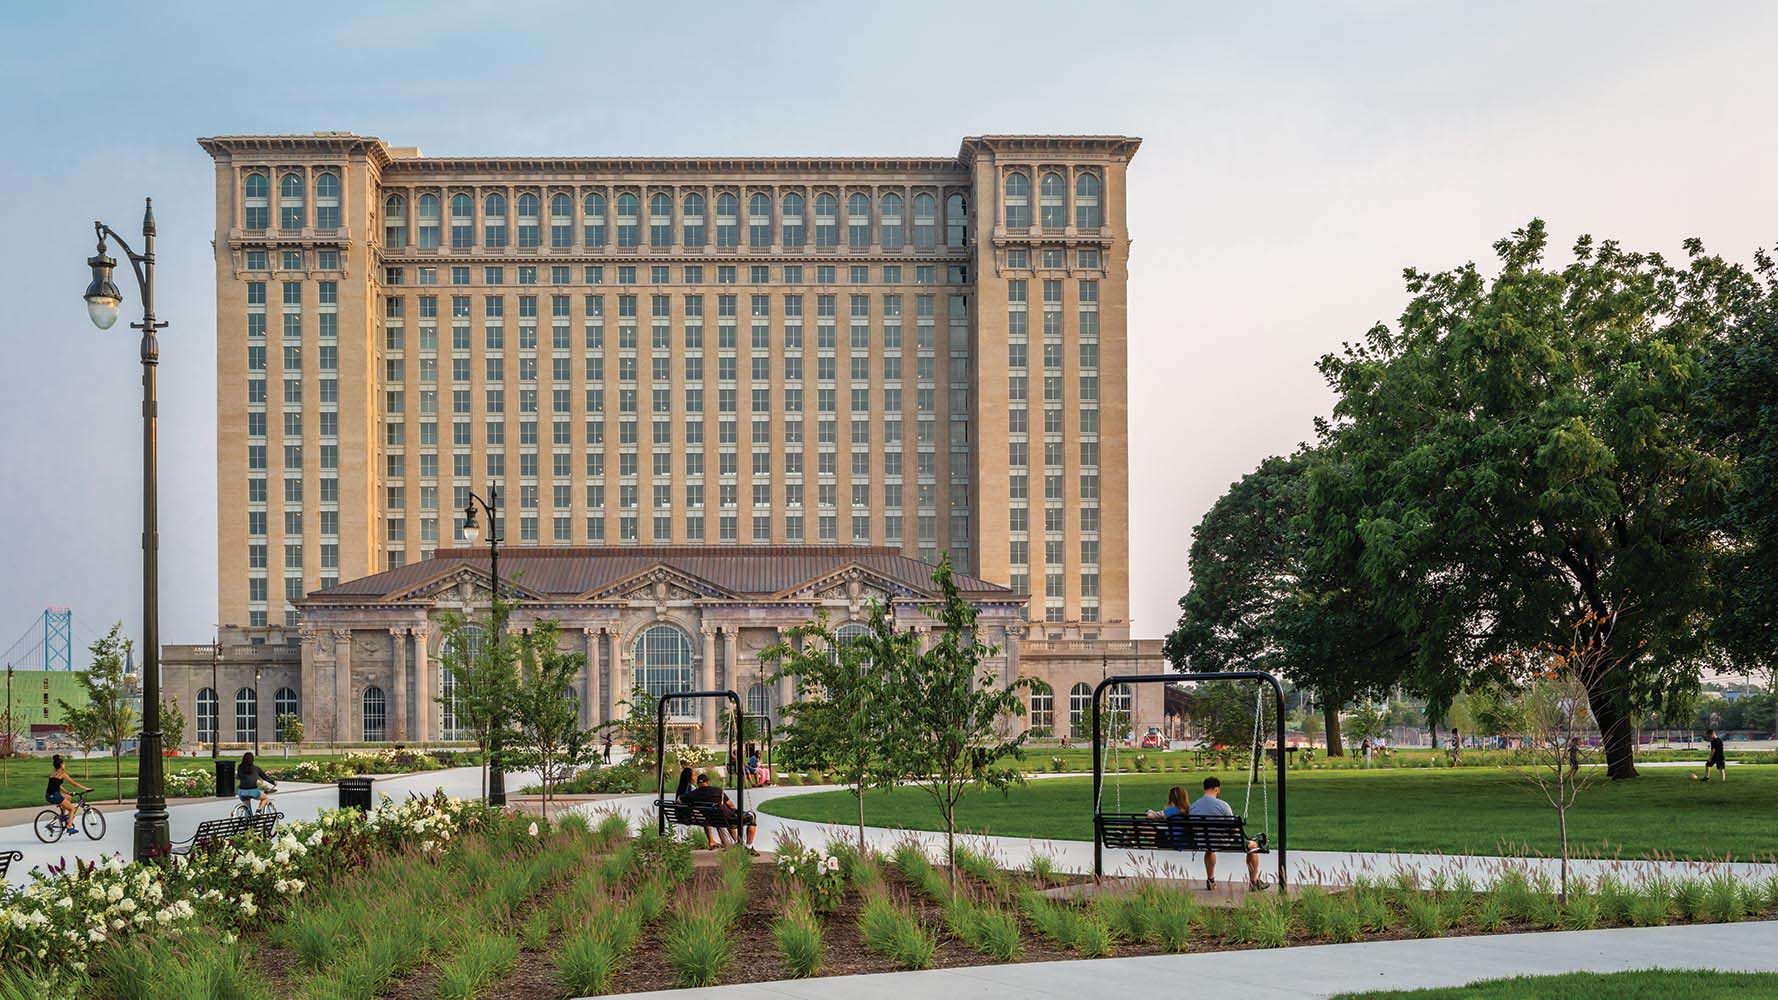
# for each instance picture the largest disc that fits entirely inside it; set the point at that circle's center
(735, 822)
(1178, 801)
(682, 791)
(1211, 804)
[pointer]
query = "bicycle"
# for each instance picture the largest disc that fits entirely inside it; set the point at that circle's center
(52, 824)
(244, 808)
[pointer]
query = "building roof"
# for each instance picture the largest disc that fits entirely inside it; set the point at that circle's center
(586, 574)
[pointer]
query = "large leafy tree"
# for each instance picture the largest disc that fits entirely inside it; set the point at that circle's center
(1521, 456)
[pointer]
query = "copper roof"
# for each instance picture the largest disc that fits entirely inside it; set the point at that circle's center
(756, 572)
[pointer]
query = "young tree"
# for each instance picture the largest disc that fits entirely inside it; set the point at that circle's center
(838, 720)
(85, 730)
(109, 716)
(172, 723)
(640, 721)
(945, 710)
(480, 656)
(546, 710)
(290, 730)
(1366, 721)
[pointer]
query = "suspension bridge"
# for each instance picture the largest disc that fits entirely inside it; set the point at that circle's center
(48, 642)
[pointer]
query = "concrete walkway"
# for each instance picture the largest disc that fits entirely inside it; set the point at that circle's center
(1317, 971)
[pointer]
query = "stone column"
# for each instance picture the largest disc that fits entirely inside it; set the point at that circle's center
(707, 681)
(425, 710)
(591, 702)
(786, 687)
(397, 728)
(342, 684)
(731, 665)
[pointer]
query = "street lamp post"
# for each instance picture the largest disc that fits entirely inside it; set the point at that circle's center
(216, 694)
(258, 710)
(102, 300)
(471, 532)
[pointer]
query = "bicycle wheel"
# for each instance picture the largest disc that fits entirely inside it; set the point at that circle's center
(49, 827)
(240, 810)
(92, 821)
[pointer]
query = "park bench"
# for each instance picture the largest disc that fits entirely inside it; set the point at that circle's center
(212, 832)
(689, 815)
(6, 860)
(1137, 831)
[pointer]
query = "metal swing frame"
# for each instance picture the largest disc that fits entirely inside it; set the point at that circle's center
(660, 749)
(1099, 746)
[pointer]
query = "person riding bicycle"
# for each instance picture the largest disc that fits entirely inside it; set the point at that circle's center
(53, 794)
(248, 777)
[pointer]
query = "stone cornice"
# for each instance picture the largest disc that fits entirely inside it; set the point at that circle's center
(627, 168)
(335, 143)
(1117, 147)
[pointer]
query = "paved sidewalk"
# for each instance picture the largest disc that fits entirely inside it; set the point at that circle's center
(1315, 971)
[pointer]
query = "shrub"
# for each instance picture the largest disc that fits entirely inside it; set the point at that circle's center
(1723, 900)
(1315, 912)
(798, 933)
(484, 958)
(1043, 868)
(1171, 917)
(1582, 912)
(893, 932)
(1652, 904)
(1271, 920)
(1490, 913)
(1688, 898)
(699, 946)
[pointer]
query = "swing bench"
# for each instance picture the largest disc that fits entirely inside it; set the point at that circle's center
(671, 812)
(1185, 832)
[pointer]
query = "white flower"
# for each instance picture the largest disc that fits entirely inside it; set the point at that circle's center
(532, 830)
(115, 893)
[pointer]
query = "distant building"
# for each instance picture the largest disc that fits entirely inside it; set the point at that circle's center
(37, 697)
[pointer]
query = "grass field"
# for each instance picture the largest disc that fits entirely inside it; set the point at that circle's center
(1655, 984)
(24, 778)
(1455, 811)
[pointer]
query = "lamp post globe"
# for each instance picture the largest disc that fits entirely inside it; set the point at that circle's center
(102, 296)
(472, 532)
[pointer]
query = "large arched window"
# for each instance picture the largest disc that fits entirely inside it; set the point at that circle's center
(530, 220)
(494, 221)
(246, 715)
(561, 221)
(592, 219)
(470, 638)
(925, 222)
(1086, 202)
(284, 703)
(376, 715)
(728, 227)
(629, 231)
(891, 222)
(394, 222)
(1080, 710)
(956, 221)
(1052, 201)
(793, 220)
(827, 221)
(692, 218)
(426, 214)
(462, 222)
(759, 221)
(858, 221)
(1018, 200)
(327, 201)
(255, 202)
(1043, 711)
(663, 661)
(660, 220)
(207, 711)
(850, 631)
(290, 202)
(759, 699)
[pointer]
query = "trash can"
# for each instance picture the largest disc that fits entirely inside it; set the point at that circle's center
(225, 779)
(355, 793)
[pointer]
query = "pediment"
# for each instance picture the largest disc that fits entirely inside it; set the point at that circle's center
(853, 584)
(463, 583)
(658, 584)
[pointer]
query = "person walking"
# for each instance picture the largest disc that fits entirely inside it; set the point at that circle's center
(1717, 758)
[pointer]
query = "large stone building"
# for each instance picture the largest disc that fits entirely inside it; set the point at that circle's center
(738, 361)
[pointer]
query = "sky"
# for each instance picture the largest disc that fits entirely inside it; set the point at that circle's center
(1295, 158)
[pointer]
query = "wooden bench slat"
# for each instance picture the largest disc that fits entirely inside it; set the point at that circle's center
(1138, 831)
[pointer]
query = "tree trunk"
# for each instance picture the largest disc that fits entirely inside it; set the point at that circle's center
(1614, 728)
(951, 847)
(1562, 824)
(859, 792)
(117, 769)
(1330, 718)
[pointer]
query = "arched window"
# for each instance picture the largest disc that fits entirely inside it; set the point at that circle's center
(1086, 202)
(793, 220)
(530, 211)
(246, 715)
(394, 222)
(925, 222)
(255, 190)
(850, 631)
(426, 214)
(660, 220)
(494, 221)
(470, 637)
(290, 202)
(663, 661)
(376, 715)
(207, 711)
(891, 222)
(827, 221)
(462, 222)
(956, 221)
(629, 233)
(692, 215)
(1080, 711)
(327, 201)
(1052, 199)
(1043, 711)
(284, 703)
(759, 221)
(1018, 201)
(728, 229)
(858, 221)
(561, 221)
(592, 219)
(759, 699)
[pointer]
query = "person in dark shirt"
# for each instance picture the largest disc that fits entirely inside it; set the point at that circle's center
(54, 795)
(736, 826)
(607, 748)
(248, 777)
(1717, 760)
(682, 791)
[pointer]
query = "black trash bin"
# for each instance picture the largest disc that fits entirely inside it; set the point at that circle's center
(355, 793)
(225, 779)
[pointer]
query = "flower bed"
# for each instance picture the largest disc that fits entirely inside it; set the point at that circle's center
(190, 784)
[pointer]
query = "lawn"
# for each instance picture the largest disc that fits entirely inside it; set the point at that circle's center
(1455, 811)
(1653, 984)
(22, 779)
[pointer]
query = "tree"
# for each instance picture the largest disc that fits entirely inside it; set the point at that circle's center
(172, 723)
(480, 656)
(640, 722)
(109, 716)
(1311, 726)
(290, 730)
(1524, 452)
(945, 711)
(838, 719)
(546, 709)
(85, 730)
(1366, 722)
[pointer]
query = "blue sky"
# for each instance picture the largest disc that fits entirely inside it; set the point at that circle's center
(1295, 158)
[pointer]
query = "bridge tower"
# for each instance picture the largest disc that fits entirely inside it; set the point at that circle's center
(58, 639)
